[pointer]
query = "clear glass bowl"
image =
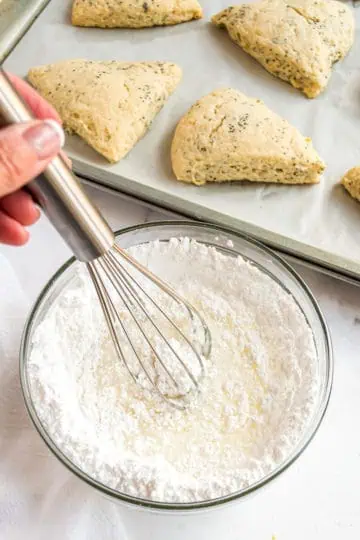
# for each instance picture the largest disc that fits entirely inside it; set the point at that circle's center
(232, 244)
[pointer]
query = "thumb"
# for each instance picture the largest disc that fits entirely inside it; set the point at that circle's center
(26, 150)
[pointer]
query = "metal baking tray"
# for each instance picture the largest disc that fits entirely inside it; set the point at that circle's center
(16, 16)
(162, 213)
(317, 224)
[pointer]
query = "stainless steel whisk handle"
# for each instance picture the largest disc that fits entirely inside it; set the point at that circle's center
(59, 193)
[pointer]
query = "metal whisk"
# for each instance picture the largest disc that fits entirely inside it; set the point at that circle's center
(159, 336)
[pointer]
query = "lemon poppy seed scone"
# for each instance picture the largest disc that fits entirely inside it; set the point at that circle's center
(228, 136)
(134, 13)
(296, 40)
(351, 182)
(110, 105)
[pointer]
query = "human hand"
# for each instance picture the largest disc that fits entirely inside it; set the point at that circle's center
(25, 151)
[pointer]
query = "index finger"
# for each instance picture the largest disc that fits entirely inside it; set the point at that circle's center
(39, 106)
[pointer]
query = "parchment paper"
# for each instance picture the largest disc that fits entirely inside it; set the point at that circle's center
(300, 218)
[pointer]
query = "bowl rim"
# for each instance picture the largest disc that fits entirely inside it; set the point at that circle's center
(157, 505)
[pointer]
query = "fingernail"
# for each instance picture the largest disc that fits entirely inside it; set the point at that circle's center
(46, 138)
(37, 213)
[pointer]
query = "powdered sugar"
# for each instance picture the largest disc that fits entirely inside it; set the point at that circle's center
(256, 398)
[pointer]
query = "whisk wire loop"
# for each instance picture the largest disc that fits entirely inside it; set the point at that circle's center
(110, 314)
(163, 313)
(120, 284)
(114, 272)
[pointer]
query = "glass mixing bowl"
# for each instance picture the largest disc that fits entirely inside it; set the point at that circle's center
(231, 244)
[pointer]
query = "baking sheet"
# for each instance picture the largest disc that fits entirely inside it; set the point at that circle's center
(15, 17)
(157, 211)
(321, 222)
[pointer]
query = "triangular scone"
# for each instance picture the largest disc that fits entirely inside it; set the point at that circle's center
(109, 104)
(134, 13)
(351, 182)
(296, 40)
(228, 136)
